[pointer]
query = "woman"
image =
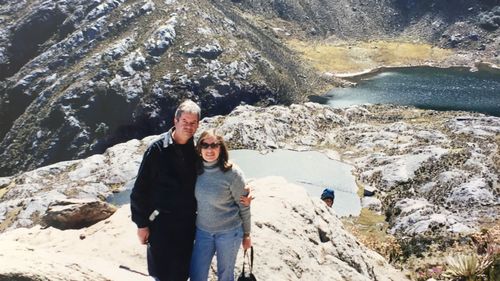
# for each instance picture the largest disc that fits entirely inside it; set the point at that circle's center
(223, 221)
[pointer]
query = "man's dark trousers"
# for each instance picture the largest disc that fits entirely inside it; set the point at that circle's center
(170, 246)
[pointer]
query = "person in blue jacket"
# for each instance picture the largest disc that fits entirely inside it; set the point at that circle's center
(328, 196)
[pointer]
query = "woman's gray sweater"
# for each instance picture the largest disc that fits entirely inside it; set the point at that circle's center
(218, 196)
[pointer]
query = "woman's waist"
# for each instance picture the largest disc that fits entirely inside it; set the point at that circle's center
(218, 224)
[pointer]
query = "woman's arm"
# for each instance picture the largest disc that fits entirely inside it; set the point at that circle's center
(238, 190)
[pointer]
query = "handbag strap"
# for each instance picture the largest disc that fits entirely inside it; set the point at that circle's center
(251, 259)
(245, 257)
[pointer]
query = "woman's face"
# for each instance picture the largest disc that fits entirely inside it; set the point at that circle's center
(210, 149)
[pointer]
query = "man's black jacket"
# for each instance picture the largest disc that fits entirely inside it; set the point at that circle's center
(166, 180)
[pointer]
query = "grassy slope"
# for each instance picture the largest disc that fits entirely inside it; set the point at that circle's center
(341, 58)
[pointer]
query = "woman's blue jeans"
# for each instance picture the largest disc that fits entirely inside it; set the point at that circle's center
(224, 244)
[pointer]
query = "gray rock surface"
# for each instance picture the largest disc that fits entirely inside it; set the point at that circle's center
(77, 77)
(294, 237)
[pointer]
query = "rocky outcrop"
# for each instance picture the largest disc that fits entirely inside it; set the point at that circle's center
(27, 199)
(77, 77)
(294, 237)
(436, 172)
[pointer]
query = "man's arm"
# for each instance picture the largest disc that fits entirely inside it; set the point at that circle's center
(140, 197)
(246, 200)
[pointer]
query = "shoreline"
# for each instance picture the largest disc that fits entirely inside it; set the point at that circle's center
(356, 76)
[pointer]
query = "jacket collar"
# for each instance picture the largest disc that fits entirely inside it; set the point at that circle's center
(167, 138)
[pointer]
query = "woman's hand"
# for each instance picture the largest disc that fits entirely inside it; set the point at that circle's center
(247, 242)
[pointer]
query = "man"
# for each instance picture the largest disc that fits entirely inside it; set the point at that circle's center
(162, 201)
(328, 196)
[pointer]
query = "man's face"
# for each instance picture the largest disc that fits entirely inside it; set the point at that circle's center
(185, 126)
(328, 201)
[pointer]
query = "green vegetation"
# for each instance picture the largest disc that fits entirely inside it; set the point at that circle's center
(371, 230)
(469, 267)
(474, 257)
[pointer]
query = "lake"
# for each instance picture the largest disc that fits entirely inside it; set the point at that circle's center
(425, 87)
(310, 169)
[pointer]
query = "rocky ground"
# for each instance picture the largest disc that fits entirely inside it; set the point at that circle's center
(294, 237)
(435, 174)
(433, 170)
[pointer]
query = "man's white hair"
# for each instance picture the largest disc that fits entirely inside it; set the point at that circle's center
(188, 106)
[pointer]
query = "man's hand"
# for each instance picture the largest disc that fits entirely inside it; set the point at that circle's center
(246, 200)
(143, 234)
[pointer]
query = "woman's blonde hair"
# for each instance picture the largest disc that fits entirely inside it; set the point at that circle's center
(223, 160)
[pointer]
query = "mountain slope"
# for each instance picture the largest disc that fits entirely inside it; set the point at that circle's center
(101, 72)
(79, 76)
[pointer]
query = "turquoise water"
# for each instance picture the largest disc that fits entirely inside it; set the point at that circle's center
(310, 169)
(427, 88)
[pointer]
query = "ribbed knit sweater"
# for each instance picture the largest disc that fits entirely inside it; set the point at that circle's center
(218, 196)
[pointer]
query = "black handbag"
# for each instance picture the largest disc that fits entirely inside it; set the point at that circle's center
(247, 276)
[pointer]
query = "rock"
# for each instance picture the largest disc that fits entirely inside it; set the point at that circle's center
(134, 62)
(73, 42)
(405, 160)
(294, 237)
(50, 253)
(490, 20)
(417, 216)
(474, 36)
(428, 190)
(371, 203)
(369, 191)
(4, 182)
(455, 40)
(162, 38)
(209, 51)
(94, 178)
(76, 214)
(119, 49)
(409, 161)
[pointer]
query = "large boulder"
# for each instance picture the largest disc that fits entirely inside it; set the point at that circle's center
(76, 214)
